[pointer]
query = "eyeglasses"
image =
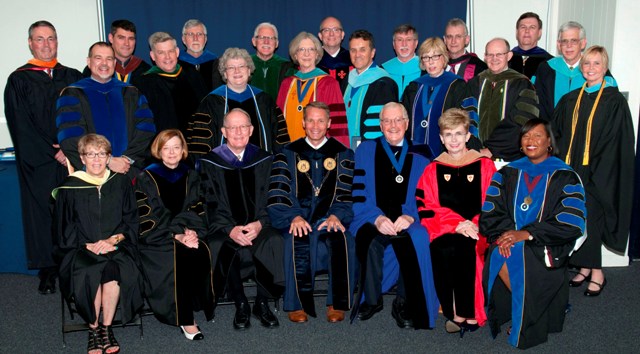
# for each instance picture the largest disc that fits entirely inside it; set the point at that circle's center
(266, 38)
(404, 40)
(457, 135)
(93, 155)
(307, 50)
(569, 42)
(197, 34)
(235, 128)
(331, 29)
(451, 36)
(497, 55)
(235, 68)
(427, 58)
(392, 121)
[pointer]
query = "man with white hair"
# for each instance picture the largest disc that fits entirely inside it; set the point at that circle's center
(194, 37)
(271, 68)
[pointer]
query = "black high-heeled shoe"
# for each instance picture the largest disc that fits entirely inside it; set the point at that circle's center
(592, 293)
(108, 340)
(95, 341)
(468, 327)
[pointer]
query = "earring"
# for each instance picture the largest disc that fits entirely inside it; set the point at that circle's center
(522, 151)
(549, 149)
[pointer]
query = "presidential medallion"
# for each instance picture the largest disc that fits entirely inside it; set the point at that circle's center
(303, 166)
(329, 164)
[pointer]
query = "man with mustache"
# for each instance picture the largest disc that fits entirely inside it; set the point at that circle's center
(194, 37)
(271, 68)
(103, 105)
(405, 67)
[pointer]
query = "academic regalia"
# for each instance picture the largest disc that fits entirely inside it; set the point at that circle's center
(298, 90)
(85, 214)
(173, 97)
(29, 107)
(236, 194)
(178, 278)
(403, 73)
(379, 189)
(270, 73)
(206, 65)
(125, 72)
(606, 169)
(526, 62)
(314, 184)
(467, 66)
(364, 97)
(269, 126)
(448, 193)
(114, 109)
(547, 200)
(337, 67)
(425, 99)
(505, 102)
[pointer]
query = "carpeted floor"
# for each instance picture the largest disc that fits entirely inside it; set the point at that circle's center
(30, 323)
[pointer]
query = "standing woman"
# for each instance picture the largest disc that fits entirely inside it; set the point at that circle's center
(450, 195)
(532, 216)
(96, 227)
(311, 84)
(595, 137)
(428, 96)
(176, 263)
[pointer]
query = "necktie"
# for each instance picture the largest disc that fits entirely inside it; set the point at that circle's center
(49, 72)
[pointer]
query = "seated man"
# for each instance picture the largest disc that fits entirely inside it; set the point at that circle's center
(385, 214)
(310, 203)
(234, 178)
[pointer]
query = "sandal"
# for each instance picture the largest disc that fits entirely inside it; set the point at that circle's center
(109, 340)
(577, 283)
(95, 341)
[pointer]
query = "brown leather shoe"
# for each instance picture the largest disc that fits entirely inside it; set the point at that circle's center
(334, 315)
(298, 316)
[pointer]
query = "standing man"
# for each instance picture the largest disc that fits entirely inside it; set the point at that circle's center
(527, 55)
(235, 178)
(391, 244)
(310, 203)
(336, 60)
(271, 68)
(462, 63)
(174, 92)
(370, 87)
(194, 37)
(405, 67)
(30, 104)
(104, 105)
(506, 99)
(123, 40)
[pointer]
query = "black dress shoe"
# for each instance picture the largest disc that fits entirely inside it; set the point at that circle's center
(242, 318)
(399, 313)
(592, 293)
(47, 284)
(263, 313)
(367, 311)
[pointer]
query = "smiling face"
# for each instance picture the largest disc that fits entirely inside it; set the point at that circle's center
(593, 68)
(497, 56)
(528, 33)
(94, 166)
(165, 55)
(316, 124)
(265, 42)
(535, 144)
(455, 140)
(331, 34)
(306, 55)
(171, 152)
(237, 74)
(405, 45)
(195, 39)
(102, 63)
(43, 43)
(236, 130)
(571, 46)
(361, 53)
(123, 43)
(393, 124)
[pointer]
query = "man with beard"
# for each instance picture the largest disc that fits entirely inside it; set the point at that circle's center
(405, 67)
(194, 37)
(104, 105)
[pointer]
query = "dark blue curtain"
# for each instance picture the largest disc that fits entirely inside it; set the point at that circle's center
(231, 23)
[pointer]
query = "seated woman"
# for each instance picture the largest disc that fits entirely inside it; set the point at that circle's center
(95, 225)
(177, 265)
(450, 195)
(533, 214)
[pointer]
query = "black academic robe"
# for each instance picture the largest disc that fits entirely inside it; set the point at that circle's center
(236, 194)
(499, 128)
(29, 107)
(208, 71)
(269, 126)
(608, 174)
(173, 98)
(83, 214)
(114, 109)
(337, 67)
(169, 201)
(470, 66)
(528, 66)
